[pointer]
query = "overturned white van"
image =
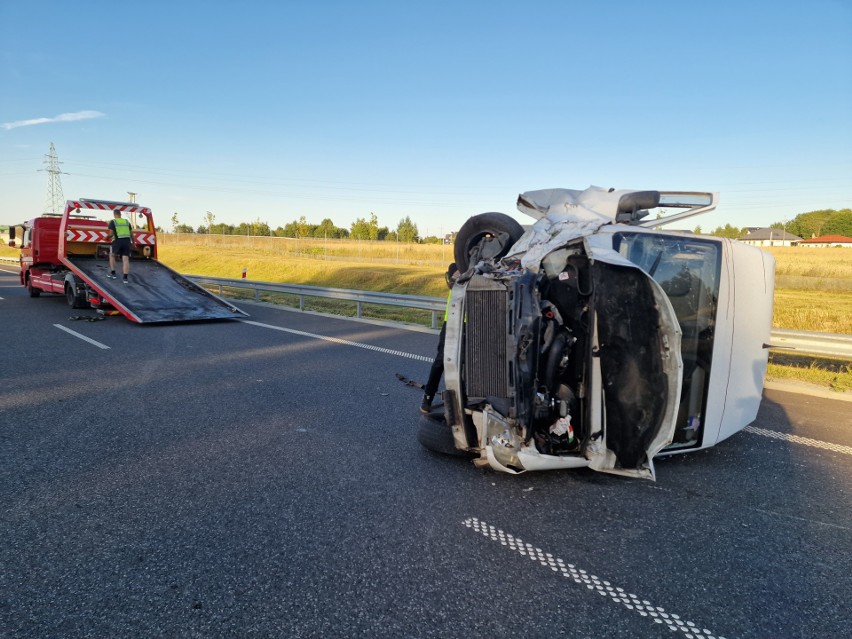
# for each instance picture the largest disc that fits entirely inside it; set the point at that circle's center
(594, 339)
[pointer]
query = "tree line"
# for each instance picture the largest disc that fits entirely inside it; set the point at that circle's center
(361, 229)
(804, 225)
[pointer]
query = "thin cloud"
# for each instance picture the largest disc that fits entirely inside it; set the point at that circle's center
(62, 117)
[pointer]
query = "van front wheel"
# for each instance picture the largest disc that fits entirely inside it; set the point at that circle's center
(485, 236)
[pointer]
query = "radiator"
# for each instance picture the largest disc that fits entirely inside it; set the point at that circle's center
(486, 366)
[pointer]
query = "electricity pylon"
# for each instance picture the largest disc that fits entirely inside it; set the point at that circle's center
(55, 200)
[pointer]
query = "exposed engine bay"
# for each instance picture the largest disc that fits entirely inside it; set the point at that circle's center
(532, 340)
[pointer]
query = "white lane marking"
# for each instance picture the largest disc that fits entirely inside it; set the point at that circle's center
(804, 519)
(796, 439)
(580, 576)
(82, 337)
(345, 342)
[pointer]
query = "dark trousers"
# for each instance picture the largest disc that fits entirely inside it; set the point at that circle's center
(437, 366)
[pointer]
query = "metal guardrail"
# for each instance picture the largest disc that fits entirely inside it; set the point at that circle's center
(812, 343)
(804, 342)
(435, 305)
(10, 260)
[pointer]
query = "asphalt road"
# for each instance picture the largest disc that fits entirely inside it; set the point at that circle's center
(233, 479)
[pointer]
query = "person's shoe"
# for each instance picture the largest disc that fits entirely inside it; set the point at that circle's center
(111, 275)
(426, 404)
(125, 280)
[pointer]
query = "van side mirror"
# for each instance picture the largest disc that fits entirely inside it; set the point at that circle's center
(632, 207)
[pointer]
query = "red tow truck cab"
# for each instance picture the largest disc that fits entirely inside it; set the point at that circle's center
(68, 255)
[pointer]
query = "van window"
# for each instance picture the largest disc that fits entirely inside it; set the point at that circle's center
(688, 270)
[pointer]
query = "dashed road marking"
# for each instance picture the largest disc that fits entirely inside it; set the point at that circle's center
(344, 342)
(796, 439)
(82, 337)
(578, 575)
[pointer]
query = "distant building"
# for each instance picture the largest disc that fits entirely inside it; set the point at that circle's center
(826, 241)
(769, 237)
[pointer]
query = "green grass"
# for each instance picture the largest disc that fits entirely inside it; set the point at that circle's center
(831, 373)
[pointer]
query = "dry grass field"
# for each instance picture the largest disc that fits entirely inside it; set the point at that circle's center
(826, 268)
(813, 289)
(411, 269)
(329, 250)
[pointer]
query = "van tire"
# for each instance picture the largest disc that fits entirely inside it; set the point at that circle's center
(490, 233)
(436, 435)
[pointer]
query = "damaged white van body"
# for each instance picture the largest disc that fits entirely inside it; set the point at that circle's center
(596, 340)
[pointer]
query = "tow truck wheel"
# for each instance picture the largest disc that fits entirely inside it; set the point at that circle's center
(34, 292)
(436, 435)
(485, 236)
(71, 296)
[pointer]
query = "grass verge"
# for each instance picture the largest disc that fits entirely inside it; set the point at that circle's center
(333, 307)
(832, 373)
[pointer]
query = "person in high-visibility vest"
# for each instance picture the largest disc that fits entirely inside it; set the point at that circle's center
(438, 365)
(122, 244)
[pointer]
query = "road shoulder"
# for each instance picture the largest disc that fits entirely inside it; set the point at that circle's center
(803, 388)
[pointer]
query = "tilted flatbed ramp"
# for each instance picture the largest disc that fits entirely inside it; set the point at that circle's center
(155, 293)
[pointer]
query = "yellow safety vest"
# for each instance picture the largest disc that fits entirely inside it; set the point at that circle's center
(122, 228)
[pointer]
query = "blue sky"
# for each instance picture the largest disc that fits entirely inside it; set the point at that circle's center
(433, 110)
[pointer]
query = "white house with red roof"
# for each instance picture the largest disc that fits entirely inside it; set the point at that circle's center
(826, 241)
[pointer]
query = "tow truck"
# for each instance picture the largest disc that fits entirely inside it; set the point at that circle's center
(68, 255)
